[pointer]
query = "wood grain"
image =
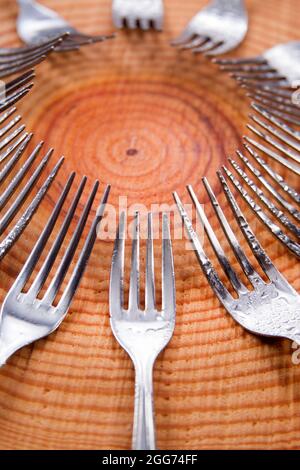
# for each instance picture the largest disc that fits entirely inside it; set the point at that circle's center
(148, 119)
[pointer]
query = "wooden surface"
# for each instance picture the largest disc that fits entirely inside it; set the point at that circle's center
(149, 120)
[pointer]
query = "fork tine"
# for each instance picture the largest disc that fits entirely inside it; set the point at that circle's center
(40, 279)
(275, 97)
(261, 256)
(10, 125)
(116, 289)
(292, 132)
(195, 42)
(10, 51)
(22, 223)
(239, 61)
(10, 164)
(20, 81)
(7, 140)
(14, 98)
(284, 116)
(6, 115)
(10, 150)
(280, 135)
(19, 60)
(266, 201)
(293, 246)
(239, 253)
(236, 282)
(292, 210)
(10, 70)
(263, 76)
(290, 165)
(11, 212)
(207, 46)
(134, 288)
(79, 269)
(70, 251)
(221, 49)
(293, 110)
(275, 176)
(11, 188)
(205, 263)
(168, 274)
(150, 302)
(184, 37)
(40, 244)
(289, 153)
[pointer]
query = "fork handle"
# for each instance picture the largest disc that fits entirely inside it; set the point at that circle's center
(143, 426)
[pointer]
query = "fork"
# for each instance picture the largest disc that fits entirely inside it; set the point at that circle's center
(15, 90)
(38, 24)
(144, 14)
(15, 145)
(278, 66)
(268, 309)
(25, 317)
(142, 333)
(216, 29)
(14, 60)
(286, 139)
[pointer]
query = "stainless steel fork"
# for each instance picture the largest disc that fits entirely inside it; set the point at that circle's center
(143, 333)
(278, 66)
(25, 317)
(144, 14)
(38, 24)
(15, 60)
(14, 91)
(216, 29)
(270, 308)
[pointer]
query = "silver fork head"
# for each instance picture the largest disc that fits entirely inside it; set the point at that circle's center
(278, 66)
(37, 24)
(143, 14)
(269, 309)
(216, 29)
(142, 332)
(24, 316)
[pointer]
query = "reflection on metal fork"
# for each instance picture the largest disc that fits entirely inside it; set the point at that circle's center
(270, 308)
(25, 317)
(216, 29)
(38, 24)
(143, 333)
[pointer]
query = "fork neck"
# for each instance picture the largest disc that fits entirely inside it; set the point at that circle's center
(143, 427)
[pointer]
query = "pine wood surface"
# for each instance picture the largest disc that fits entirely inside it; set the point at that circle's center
(148, 119)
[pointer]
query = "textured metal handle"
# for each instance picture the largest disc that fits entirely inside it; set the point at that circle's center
(143, 427)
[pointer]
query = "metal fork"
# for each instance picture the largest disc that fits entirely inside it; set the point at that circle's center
(15, 60)
(278, 66)
(270, 308)
(282, 138)
(216, 29)
(38, 24)
(143, 333)
(25, 317)
(14, 91)
(144, 14)
(15, 145)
